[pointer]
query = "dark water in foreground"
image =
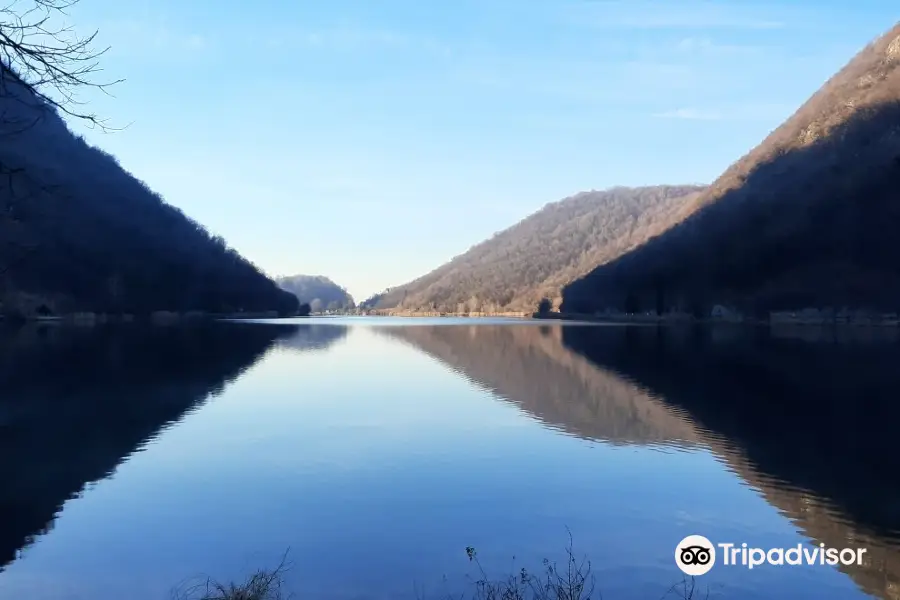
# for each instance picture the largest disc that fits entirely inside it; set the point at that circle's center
(376, 451)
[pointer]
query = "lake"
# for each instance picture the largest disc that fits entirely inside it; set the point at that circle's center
(371, 452)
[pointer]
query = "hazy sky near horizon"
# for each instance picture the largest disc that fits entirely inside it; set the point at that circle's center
(373, 141)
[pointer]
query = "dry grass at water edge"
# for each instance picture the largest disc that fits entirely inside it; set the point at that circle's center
(571, 581)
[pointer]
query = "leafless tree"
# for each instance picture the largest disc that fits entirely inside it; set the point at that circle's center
(44, 62)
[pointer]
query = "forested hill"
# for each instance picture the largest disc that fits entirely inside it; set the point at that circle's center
(80, 233)
(809, 218)
(318, 291)
(537, 256)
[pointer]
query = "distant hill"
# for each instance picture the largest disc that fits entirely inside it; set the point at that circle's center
(809, 218)
(80, 233)
(539, 255)
(318, 291)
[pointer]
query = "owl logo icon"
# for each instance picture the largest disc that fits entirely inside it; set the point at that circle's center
(695, 555)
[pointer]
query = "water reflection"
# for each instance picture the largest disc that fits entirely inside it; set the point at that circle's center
(75, 403)
(310, 338)
(805, 417)
(808, 419)
(530, 368)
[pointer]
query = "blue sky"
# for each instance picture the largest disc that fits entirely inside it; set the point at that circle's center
(372, 141)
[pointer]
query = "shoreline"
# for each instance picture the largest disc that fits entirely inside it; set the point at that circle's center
(431, 314)
(682, 320)
(168, 318)
(155, 318)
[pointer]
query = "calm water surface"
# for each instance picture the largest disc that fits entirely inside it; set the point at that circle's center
(375, 451)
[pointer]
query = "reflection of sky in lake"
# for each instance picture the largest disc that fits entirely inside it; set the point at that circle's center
(376, 465)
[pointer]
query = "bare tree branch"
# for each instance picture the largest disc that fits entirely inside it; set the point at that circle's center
(44, 62)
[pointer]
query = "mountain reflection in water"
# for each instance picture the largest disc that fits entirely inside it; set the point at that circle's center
(75, 403)
(806, 417)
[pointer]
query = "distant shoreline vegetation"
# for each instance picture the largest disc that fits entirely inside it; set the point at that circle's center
(722, 314)
(158, 317)
(426, 313)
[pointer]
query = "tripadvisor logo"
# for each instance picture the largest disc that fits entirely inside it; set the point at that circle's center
(696, 555)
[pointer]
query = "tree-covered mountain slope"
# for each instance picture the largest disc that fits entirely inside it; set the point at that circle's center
(78, 232)
(537, 256)
(809, 218)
